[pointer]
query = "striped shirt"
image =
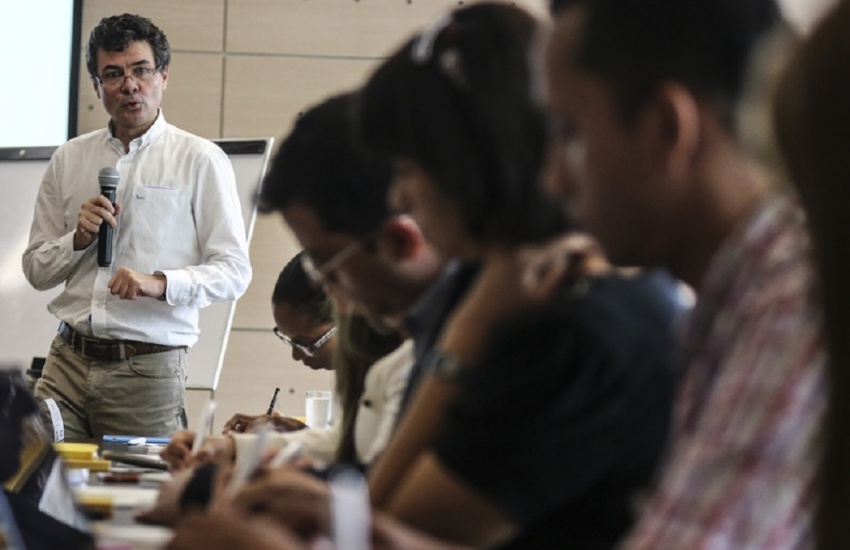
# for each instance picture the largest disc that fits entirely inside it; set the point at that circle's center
(747, 421)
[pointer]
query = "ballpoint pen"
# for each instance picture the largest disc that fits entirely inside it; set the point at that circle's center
(274, 400)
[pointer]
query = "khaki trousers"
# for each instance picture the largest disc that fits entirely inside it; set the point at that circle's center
(143, 395)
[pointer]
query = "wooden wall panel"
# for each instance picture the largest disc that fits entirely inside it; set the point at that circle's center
(193, 25)
(90, 113)
(367, 28)
(262, 95)
(358, 28)
(272, 246)
(193, 98)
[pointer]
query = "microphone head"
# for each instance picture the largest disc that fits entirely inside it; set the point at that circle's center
(108, 177)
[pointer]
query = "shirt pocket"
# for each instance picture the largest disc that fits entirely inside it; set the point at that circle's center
(157, 216)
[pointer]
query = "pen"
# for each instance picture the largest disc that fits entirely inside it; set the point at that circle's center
(129, 438)
(274, 400)
(204, 425)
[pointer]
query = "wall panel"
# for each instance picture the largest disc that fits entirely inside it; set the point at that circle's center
(190, 25)
(263, 94)
(272, 246)
(359, 28)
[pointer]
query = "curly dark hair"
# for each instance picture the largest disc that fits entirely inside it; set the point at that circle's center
(294, 288)
(113, 34)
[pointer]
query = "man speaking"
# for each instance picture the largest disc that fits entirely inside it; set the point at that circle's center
(118, 363)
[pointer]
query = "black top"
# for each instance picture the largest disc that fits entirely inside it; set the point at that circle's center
(567, 417)
(425, 322)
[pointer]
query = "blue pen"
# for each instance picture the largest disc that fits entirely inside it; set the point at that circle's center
(128, 438)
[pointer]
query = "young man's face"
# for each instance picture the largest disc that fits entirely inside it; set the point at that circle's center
(599, 166)
(365, 277)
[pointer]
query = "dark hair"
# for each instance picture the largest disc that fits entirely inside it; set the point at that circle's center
(456, 99)
(320, 165)
(113, 34)
(812, 115)
(705, 45)
(294, 288)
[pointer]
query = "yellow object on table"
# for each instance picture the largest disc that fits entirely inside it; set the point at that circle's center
(82, 456)
(76, 451)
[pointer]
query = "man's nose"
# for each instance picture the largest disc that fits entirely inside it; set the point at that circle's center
(129, 85)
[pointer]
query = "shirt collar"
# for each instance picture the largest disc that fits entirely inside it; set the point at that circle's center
(156, 130)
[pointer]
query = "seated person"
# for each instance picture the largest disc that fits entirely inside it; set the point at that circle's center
(22, 523)
(304, 321)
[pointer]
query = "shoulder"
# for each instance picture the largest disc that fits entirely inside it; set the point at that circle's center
(83, 142)
(192, 144)
(390, 371)
(608, 305)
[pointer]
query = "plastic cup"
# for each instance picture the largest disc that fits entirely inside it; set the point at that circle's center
(318, 404)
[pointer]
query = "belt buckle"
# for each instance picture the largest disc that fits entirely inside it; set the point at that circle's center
(106, 348)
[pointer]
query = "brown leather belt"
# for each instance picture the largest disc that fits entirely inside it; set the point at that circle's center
(108, 350)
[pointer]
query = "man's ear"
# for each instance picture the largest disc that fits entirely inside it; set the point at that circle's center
(401, 238)
(96, 87)
(164, 73)
(677, 125)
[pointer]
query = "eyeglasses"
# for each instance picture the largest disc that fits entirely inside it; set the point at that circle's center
(318, 273)
(306, 350)
(115, 78)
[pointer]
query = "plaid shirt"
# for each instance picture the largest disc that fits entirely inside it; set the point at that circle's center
(745, 447)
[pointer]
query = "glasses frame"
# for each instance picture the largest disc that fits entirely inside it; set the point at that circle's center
(318, 273)
(306, 350)
(146, 74)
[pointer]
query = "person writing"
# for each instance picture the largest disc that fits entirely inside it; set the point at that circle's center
(118, 364)
(303, 316)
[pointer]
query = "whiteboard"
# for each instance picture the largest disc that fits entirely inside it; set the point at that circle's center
(27, 328)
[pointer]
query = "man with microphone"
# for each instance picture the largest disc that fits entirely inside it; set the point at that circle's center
(159, 235)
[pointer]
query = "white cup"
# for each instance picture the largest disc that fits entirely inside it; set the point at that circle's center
(319, 408)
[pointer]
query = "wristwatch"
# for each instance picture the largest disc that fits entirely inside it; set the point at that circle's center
(445, 366)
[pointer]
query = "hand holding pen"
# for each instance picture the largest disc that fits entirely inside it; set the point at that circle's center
(241, 423)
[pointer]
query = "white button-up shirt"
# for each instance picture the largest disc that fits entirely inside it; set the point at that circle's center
(180, 215)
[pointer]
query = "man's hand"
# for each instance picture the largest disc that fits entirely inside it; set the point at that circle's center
(178, 453)
(293, 498)
(166, 510)
(129, 284)
(242, 423)
(94, 212)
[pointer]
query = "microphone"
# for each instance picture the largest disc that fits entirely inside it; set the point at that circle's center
(108, 179)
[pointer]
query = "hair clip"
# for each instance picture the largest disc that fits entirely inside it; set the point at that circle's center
(449, 62)
(423, 46)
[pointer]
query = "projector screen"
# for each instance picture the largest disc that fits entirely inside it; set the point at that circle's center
(39, 53)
